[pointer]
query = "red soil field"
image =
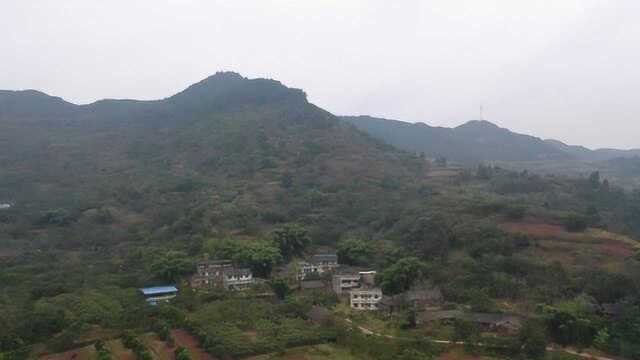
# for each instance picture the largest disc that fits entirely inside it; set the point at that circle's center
(535, 229)
(184, 339)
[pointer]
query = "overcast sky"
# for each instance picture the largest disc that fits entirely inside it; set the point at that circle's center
(564, 69)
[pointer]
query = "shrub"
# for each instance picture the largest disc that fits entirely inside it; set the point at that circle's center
(575, 223)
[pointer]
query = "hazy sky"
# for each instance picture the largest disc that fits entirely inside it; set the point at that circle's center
(565, 69)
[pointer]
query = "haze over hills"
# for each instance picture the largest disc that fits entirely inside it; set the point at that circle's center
(477, 141)
(100, 200)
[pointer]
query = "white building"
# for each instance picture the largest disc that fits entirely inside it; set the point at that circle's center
(237, 279)
(320, 264)
(365, 298)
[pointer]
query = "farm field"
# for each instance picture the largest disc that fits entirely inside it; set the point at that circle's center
(594, 246)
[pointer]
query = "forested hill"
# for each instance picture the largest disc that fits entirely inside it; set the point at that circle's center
(247, 152)
(477, 141)
(471, 143)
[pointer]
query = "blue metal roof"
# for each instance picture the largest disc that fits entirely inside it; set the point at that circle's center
(159, 290)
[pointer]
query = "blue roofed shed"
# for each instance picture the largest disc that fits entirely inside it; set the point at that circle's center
(157, 294)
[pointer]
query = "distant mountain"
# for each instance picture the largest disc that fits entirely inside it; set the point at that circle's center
(583, 153)
(470, 143)
(478, 141)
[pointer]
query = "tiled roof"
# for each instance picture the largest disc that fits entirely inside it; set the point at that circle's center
(325, 257)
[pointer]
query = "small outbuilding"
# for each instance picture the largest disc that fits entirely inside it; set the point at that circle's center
(159, 294)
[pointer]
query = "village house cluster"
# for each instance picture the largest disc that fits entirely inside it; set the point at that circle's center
(359, 286)
(352, 285)
(425, 300)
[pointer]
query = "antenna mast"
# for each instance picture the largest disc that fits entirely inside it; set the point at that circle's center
(481, 112)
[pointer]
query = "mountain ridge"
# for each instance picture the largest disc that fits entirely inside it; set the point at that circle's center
(477, 141)
(227, 133)
(470, 143)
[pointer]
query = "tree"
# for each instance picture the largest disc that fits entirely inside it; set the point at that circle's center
(292, 239)
(101, 349)
(280, 287)
(354, 252)
(286, 180)
(171, 266)
(594, 179)
(575, 223)
(464, 330)
(602, 341)
(260, 256)
(484, 172)
(400, 276)
(99, 345)
(429, 236)
(182, 353)
(47, 319)
(532, 340)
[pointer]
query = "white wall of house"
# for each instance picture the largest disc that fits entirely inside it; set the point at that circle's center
(365, 299)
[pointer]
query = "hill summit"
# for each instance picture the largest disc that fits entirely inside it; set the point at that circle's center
(253, 144)
(471, 143)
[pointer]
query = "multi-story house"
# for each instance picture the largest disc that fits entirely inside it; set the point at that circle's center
(238, 279)
(365, 298)
(220, 274)
(319, 264)
(342, 283)
(345, 282)
(326, 262)
(209, 274)
(305, 269)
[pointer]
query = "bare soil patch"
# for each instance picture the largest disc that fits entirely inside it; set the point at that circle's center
(185, 339)
(534, 229)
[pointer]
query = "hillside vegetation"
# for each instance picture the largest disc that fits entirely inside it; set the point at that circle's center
(119, 194)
